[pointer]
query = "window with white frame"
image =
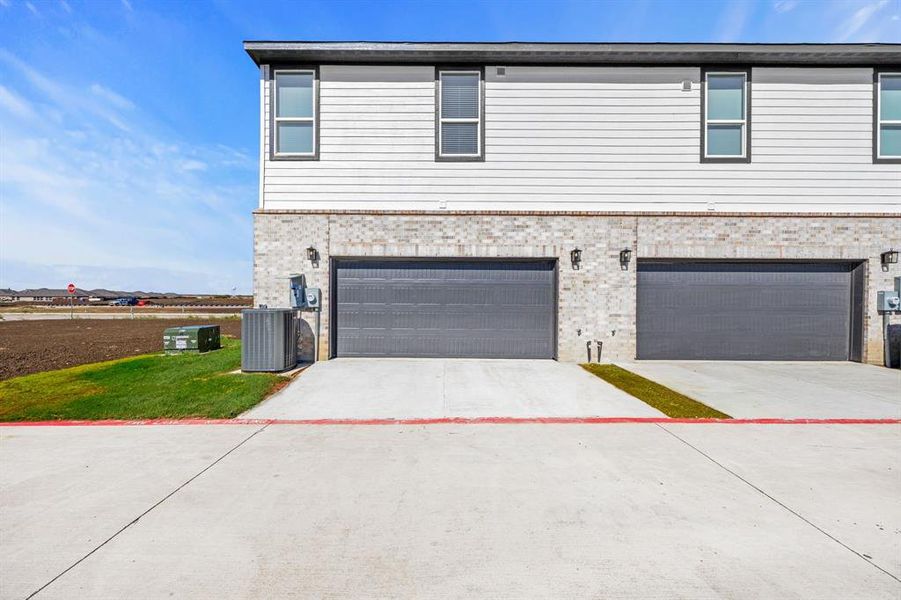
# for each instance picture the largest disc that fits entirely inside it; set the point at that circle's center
(888, 120)
(295, 113)
(726, 115)
(459, 114)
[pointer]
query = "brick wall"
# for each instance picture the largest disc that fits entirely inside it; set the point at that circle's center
(279, 250)
(596, 302)
(850, 238)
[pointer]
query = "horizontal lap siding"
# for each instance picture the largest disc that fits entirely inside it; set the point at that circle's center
(568, 138)
(795, 107)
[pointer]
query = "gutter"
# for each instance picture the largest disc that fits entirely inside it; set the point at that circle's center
(575, 53)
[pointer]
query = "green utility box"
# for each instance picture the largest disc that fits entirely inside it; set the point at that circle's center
(191, 338)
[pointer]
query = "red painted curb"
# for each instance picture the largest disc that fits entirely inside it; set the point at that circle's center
(450, 421)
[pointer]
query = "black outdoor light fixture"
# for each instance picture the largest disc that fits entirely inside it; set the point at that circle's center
(625, 255)
(889, 258)
(575, 257)
(313, 254)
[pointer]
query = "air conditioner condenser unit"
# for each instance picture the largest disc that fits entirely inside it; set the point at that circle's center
(268, 339)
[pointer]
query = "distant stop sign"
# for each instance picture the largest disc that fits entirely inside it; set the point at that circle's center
(71, 288)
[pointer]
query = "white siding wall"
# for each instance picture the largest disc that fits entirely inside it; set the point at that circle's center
(589, 138)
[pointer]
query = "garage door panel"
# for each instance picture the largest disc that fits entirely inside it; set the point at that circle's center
(435, 345)
(445, 308)
(443, 294)
(744, 311)
(786, 301)
(441, 319)
(716, 324)
(718, 348)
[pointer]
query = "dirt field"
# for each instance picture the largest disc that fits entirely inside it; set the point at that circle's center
(121, 310)
(33, 346)
(205, 301)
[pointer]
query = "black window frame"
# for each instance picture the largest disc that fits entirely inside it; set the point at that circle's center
(746, 71)
(877, 73)
(273, 91)
(480, 69)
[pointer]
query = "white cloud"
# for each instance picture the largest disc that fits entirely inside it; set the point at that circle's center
(32, 8)
(64, 96)
(127, 5)
(784, 6)
(861, 17)
(118, 203)
(16, 105)
(65, 6)
(732, 22)
(192, 165)
(45, 84)
(111, 96)
(4, 3)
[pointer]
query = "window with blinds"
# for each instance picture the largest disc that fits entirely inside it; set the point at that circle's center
(460, 114)
(726, 114)
(295, 113)
(887, 136)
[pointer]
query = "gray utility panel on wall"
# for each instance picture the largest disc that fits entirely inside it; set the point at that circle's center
(775, 310)
(444, 308)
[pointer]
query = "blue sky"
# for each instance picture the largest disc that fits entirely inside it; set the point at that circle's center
(128, 128)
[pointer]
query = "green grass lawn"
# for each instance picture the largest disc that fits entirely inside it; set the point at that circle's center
(669, 402)
(142, 387)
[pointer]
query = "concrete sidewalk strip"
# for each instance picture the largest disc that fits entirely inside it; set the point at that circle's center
(526, 511)
(435, 388)
(789, 390)
(63, 491)
(844, 480)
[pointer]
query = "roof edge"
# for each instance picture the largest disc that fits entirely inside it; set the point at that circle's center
(656, 53)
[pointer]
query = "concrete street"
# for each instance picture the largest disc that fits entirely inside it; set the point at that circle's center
(366, 388)
(448, 511)
(786, 390)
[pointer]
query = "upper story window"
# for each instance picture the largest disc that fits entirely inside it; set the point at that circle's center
(459, 134)
(726, 135)
(295, 114)
(887, 136)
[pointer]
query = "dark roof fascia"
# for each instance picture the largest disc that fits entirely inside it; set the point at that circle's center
(510, 53)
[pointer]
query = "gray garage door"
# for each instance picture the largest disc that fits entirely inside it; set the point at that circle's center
(435, 308)
(749, 311)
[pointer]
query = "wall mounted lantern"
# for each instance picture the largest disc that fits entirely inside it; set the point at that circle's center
(313, 255)
(575, 257)
(889, 258)
(625, 256)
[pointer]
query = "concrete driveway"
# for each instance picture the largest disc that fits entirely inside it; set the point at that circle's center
(789, 390)
(400, 388)
(613, 511)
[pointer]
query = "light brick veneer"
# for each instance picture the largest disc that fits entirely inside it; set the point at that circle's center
(745, 237)
(596, 302)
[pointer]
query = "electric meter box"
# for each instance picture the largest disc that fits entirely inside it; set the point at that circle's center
(303, 297)
(191, 338)
(888, 301)
(313, 298)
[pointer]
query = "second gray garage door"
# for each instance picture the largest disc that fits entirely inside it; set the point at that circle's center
(444, 308)
(749, 311)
